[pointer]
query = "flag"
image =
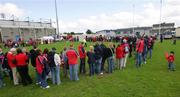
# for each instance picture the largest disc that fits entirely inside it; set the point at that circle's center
(166, 55)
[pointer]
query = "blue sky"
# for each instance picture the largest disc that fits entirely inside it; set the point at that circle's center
(79, 12)
(73, 9)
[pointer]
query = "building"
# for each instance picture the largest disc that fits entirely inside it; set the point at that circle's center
(11, 29)
(134, 31)
(163, 28)
(126, 31)
(106, 33)
(177, 32)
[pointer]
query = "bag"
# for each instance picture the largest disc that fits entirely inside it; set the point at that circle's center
(46, 65)
(126, 49)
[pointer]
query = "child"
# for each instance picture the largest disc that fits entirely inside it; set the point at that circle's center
(91, 61)
(170, 59)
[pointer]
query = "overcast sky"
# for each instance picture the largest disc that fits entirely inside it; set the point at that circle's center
(80, 15)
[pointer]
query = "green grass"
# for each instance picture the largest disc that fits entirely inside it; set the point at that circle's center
(152, 80)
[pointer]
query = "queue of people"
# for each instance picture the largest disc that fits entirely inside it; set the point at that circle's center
(47, 63)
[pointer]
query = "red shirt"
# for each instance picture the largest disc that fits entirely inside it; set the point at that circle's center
(124, 46)
(140, 46)
(10, 58)
(81, 53)
(21, 59)
(120, 52)
(39, 65)
(72, 57)
(171, 58)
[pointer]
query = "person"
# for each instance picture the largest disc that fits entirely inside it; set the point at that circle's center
(120, 56)
(110, 58)
(126, 51)
(130, 42)
(45, 54)
(144, 53)
(1, 69)
(161, 38)
(91, 61)
(104, 56)
(12, 64)
(6, 68)
(82, 55)
(65, 62)
(54, 63)
(170, 58)
(139, 50)
(72, 56)
(174, 39)
(40, 67)
(98, 57)
(150, 47)
(33, 56)
(22, 67)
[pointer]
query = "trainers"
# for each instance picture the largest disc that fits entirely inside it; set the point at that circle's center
(47, 87)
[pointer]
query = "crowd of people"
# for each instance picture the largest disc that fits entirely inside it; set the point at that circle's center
(47, 64)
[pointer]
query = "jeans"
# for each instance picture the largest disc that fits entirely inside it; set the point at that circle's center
(144, 54)
(171, 66)
(42, 78)
(55, 73)
(82, 66)
(73, 69)
(102, 64)
(38, 80)
(91, 69)
(150, 53)
(110, 64)
(138, 60)
(98, 66)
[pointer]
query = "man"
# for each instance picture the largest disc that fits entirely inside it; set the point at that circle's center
(98, 57)
(139, 50)
(82, 55)
(72, 56)
(33, 56)
(54, 64)
(12, 64)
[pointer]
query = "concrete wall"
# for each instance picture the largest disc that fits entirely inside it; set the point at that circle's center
(25, 33)
(24, 29)
(177, 32)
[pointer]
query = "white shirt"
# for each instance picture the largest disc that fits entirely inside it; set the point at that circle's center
(57, 59)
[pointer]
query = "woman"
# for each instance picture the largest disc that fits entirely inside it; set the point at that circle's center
(22, 67)
(12, 65)
(40, 66)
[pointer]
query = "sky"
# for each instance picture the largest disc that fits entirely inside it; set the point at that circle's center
(80, 15)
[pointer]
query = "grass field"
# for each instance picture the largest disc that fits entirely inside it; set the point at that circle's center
(152, 80)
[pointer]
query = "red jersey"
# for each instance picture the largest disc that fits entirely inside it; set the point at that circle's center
(72, 57)
(21, 59)
(11, 57)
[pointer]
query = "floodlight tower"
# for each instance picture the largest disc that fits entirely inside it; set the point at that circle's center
(160, 16)
(57, 20)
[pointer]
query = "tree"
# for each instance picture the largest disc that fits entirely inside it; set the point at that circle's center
(89, 32)
(72, 33)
